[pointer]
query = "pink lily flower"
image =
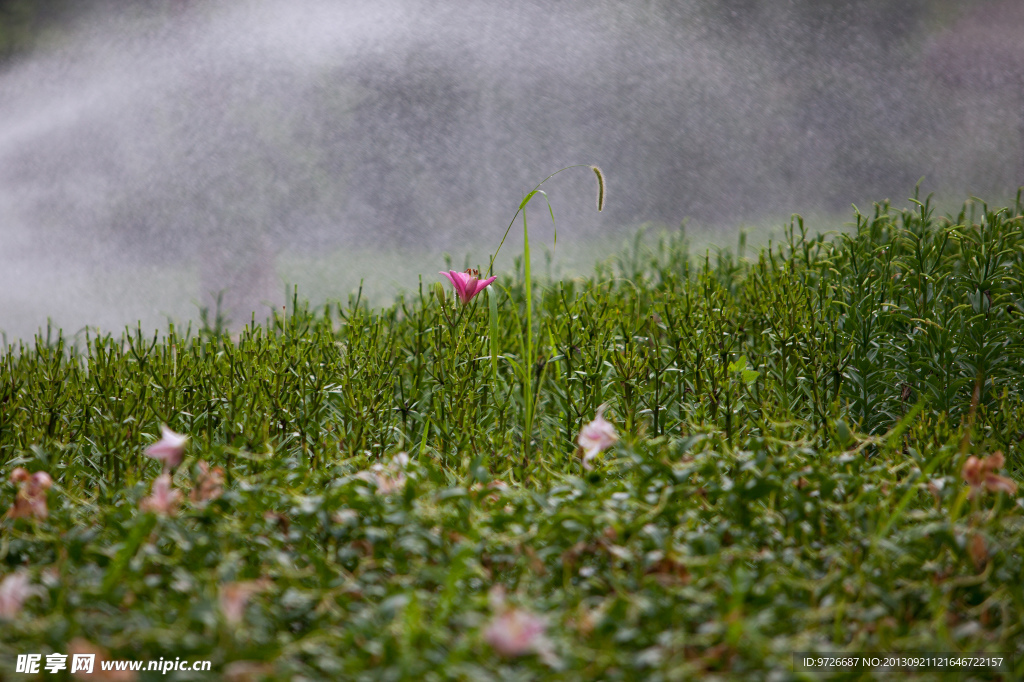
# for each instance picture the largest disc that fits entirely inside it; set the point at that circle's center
(170, 448)
(14, 590)
(596, 436)
(31, 497)
(467, 284)
(164, 499)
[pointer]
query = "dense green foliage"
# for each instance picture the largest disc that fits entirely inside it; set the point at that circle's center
(788, 479)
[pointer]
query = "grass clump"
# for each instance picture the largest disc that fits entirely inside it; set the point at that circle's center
(399, 493)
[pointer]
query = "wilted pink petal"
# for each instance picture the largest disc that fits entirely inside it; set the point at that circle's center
(1000, 484)
(978, 551)
(996, 460)
(980, 474)
(14, 590)
(23, 508)
(596, 436)
(972, 472)
(164, 499)
(235, 596)
(209, 485)
(467, 284)
(170, 448)
(37, 487)
(31, 497)
(37, 505)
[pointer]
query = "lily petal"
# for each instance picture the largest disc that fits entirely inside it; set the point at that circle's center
(170, 448)
(457, 283)
(482, 284)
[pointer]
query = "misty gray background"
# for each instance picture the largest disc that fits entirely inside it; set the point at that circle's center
(154, 152)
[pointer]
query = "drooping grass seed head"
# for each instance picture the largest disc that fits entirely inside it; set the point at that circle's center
(600, 187)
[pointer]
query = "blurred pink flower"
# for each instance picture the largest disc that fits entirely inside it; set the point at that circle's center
(164, 499)
(980, 474)
(235, 596)
(387, 481)
(596, 436)
(482, 492)
(515, 632)
(31, 497)
(170, 448)
(390, 479)
(209, 484)
(14, 590)
(467, 284)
